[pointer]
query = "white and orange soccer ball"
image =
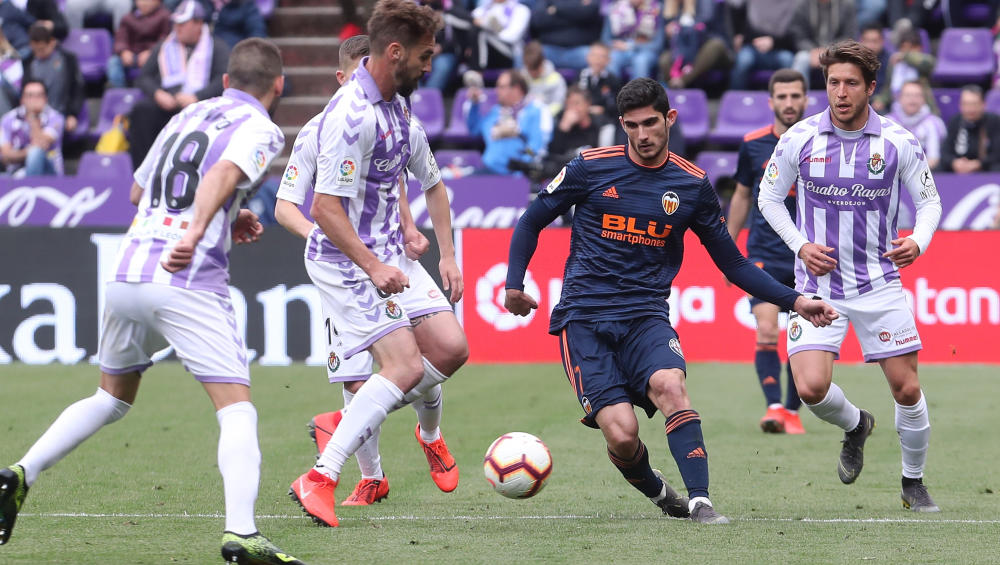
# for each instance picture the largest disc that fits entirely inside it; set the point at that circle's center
(517, 465)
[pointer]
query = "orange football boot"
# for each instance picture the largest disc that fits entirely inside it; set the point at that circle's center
(444, 470)
(368, 491)
(316, 494)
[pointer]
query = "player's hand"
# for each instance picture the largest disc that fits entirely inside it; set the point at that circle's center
(451, 278)
(817, 259)
(389, 280)
(905, 253)
(518, 303)
(247, 227)
(819, 313)
(180, 256)
(415, 244)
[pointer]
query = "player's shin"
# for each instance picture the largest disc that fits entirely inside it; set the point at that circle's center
(914, 429)
(687, 446)
(368, 456)
(239, 464)
(768, 366)
(431, 378)
(792, 400)
(636, 470)
(836, 409)
(428, 409)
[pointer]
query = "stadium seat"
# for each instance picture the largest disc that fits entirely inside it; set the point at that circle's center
(740, 111)
(266, 7)
(717, 164)
(692, 111)
(115, 101)
(457, 132)
(456, 163)
(964, 55)
(947, 101)
(92, 47)
(95, 165)
(816, 102)
(428, 105)
(82, 130)
(993, 101)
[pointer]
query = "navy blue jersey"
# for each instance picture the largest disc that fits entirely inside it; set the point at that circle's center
(628, 236)
(763, 243)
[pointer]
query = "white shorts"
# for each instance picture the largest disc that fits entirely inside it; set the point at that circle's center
(142, 318)
(359, 313)
(882, 321)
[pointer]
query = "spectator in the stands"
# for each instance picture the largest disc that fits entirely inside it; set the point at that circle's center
(502, 27)
(870, 12)
(873, 38)
(545, 85)
(11, 73)
(912, 112)
(578, 128)
(973, 140)
(634, 30)
(908, 63)
(914, 12)
(59, 70)
(354, 24)
(31, 135)
(766, 41)
(77, 10)
(182, 69)
(698, 40)
(137, 33)
(599, 81)
(566, 29)
(451, 45)
(515, 129)
(231, 20)
(817, 24)
(17, 17)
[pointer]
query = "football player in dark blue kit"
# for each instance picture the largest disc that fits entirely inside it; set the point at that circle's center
(633, 205)
(787, 90)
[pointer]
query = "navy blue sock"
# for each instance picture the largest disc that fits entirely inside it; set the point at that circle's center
(637, 471)
(792, 400)
(768, 367)
(688, 448)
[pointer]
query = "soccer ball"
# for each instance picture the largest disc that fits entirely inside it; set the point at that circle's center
(517, 465)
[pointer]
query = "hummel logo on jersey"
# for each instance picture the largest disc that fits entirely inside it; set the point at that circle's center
(697, 452)
(611, 193)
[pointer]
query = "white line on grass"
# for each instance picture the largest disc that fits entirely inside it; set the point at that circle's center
(515, 517)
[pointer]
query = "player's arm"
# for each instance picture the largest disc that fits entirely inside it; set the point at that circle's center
(287, 214)
(135, 193)
(414, 242)
(424, 167)
(439, 209)
(739, 210)
(916, 176)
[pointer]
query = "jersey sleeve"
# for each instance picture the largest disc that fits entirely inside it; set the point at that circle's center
(567, 188)
(422, 163)
(300, 172)
(252, 148)
(781, 173)
(916, 176)
(345, 144)
(744, 167)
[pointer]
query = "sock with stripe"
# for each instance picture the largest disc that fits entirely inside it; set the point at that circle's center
(688, 448)
(792, 400)
(368, 456)
(637, 471)
(768, 366)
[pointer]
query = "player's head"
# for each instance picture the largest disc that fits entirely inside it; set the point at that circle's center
(971, 104)
(511, 88)
(787, 89)
(352, 50)
(849, 69)
(34, 96)
(911, 97)
(644, 112)
(255, 68)
(402, 36)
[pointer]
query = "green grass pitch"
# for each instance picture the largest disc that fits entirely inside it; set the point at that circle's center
(147, 490)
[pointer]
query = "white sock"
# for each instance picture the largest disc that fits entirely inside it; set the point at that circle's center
(696, 500)
(239, 463)
(369, 459)
(836, 409)
(77, 422)
(429, 414)
(348, 397)
(432, 377)
(370, 405)
(914, 429)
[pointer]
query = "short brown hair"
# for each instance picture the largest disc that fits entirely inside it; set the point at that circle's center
(254, 63)
(352, 49)
(533, 55)
(401, 21)
(39, 33)
(516, 79)
(783, 76)
(850, 51)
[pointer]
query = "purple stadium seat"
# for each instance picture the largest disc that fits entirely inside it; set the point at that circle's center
(427, 104)
(457, 131)
(947, 101)
(964, 55)
(266, 7)
(692, 111)
(717, 164)
(115, 101)
(115, 165)
(457, 163)
(93, 48)
(816, 102)
(993, 101)
(83, 125)
(740, 112)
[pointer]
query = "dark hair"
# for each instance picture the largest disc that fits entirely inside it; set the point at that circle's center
(974, 89)
(910, 36)
(533, 56)
(873, 26)
(850, 51)
(401, 21)
(352, 49)
(783, 76)
(254, 63)
(642, 92)
(24, 86)
(575, 89)
(39, 33)
(516, 79)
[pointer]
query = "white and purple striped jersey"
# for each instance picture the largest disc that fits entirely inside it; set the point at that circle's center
(364, 144)
(847, 198)
(233, 127)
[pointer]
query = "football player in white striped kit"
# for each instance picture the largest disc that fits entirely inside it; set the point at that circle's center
(171, 287)
(848, 165)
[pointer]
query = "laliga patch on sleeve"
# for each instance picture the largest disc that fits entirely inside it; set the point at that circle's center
(556, 181)
(259, 159)
(771, 175)
(347, 172)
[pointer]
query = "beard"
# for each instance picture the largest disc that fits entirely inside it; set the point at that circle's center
(274, 106)
(789, 121)
(406, 85)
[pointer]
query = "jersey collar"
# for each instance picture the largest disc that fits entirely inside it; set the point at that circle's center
(244, 97)
(367, 82)
(628, 155)
(873, 127)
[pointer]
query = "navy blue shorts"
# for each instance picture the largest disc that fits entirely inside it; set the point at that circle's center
(782, 271)
(611, 362)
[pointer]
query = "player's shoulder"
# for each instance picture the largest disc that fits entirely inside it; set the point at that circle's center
(895, 133)
(759, 133)
(611, 152)
(686, 167)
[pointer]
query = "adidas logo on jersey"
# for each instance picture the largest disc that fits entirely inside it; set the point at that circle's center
(611, 193)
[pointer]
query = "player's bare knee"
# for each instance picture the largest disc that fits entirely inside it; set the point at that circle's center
(622, 437)
(668, 391)
(812, 392)
(767, 331)
(907, 393)
(449, 355)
